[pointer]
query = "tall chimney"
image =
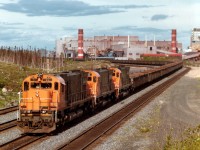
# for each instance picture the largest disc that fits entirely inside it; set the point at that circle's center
(80, 43)
(173, 44)
(145, 41)
(128, 41)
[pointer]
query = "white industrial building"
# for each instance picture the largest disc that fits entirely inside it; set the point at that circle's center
(129, 47)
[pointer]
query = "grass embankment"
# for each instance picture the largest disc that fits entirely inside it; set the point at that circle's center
(190, 140)
(161, 58)
(191, 63)
(12, 75)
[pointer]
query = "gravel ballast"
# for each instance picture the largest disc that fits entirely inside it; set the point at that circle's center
(9, 135)
(8, 117)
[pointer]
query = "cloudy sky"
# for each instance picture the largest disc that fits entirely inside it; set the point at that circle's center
(38, 23)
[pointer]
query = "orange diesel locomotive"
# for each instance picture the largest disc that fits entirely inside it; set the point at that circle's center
(50, 100)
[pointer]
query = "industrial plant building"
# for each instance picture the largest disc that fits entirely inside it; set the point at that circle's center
(195, 39)
(124, 47)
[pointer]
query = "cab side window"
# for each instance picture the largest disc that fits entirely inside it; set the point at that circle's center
(89, 78)
(94, 79)
(117, 74)
(56, 86)
(26, 86)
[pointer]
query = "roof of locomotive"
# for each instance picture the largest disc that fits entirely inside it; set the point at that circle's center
(53, 76)
(94, 72)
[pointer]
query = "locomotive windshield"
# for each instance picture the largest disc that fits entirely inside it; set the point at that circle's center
(26, 86)
(41, 85)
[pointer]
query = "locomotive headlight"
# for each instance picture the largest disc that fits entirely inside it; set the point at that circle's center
(36, 93)
(44, 111)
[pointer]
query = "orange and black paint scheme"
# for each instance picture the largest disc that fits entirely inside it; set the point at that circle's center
(92, 86)
(50, 100)
(40, 102)
(116, 80)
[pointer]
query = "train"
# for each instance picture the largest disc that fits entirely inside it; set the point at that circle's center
(48, 101)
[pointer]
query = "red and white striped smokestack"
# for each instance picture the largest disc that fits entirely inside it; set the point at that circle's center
(173, 44)
(80, 43)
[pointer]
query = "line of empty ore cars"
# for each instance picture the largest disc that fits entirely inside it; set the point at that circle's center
(50, 100)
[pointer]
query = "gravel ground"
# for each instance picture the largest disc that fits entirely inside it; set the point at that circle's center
(9, 135)
(69, 134)
(172, 112)
(7, 117)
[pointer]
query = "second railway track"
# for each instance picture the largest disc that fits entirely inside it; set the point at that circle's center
(8, 125)
(85, 139)
(8, 110)
(20, 142)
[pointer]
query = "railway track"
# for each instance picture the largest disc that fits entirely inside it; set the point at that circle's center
(141, 62)
(7, 110)
(8, 125)
(21, 142)
(86, 139)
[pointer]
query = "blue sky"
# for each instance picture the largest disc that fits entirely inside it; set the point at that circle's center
(38, 23)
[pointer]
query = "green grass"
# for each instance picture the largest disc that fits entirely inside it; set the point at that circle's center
(162, 58)
(11, 77)
(190, 140)
(71, 65)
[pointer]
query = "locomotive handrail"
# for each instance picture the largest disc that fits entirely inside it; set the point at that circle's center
(46, 98)
(18, 111)
(26, 98)
(54, 103)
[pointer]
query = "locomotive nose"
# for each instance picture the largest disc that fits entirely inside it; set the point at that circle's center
(38, 99)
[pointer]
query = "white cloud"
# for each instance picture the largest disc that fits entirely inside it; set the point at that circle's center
(43, 30)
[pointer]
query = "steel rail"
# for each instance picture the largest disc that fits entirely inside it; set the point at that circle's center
(7, 110)
(21, 142)
(8, 125)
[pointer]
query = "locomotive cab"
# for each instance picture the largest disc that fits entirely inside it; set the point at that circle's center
(116, 75)
(41, 98)
(93, 86)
